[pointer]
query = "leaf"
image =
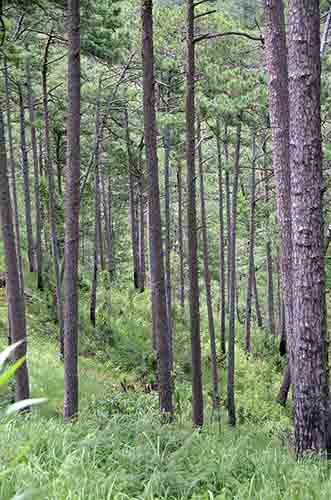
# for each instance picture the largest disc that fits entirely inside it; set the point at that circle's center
(4, 377)
(21, 405)
(8, 351)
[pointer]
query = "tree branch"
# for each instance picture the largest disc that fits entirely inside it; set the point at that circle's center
(210, 36)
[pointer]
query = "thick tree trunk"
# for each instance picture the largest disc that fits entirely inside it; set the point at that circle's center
(232, 285)
(278, 96)
(197, 397)
(167, 139)
(211, 325)
(15, 297)
(31, 104)
(51, 201)
(13, 181)
(180, 238)
(221, 236)
(26, 183)
(72, 205)
(307, 344)
(159, 306)
(252, 231)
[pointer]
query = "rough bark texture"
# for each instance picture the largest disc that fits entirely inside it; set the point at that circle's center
(307, 345)
(197, 398)
(26, 183)
(31, 104)
(72, 204)
(221, 237)
(278, 96)
(232, 285)
(206, 274)
(159, 306)
(15, 297)
(252, 231)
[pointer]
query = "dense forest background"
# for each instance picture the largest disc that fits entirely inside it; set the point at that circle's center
(180, 289)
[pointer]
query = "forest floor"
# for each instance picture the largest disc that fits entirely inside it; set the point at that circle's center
(119, 449)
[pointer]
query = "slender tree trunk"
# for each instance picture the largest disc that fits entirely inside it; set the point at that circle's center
(51, 201)
(278, 95)
(106, 202)
(270, 283)
(285, 387)
(159, 306)
(142, 271)
(167, 230)
(97, 215)
(197, 396)
(15, 297)
(307, 344)
(31, 104)
(26, 183)
(211, 325)
(13, 181)
(228, 210)
(180, 238)
(258, 312)
(72, 205)
(232, 285)
(58, 162)
(133, 222)
(252, 231)
(221, 236)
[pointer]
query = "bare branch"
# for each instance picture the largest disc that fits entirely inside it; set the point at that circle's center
(207, 13)
(210, 36)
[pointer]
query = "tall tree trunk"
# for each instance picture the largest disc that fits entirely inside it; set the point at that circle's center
(106, 202)
(15, 297)
(259, 318)
(58, 161)
(211, 325)
(97, 214)
(270, 283)
(252, 231)
(228, 209)
(142, 270)
(167, 230)
(197, 396)
(180, 238)
(221, 235)
(51, 201)
(307, 343)
(26, 183)
(132, 207)
(159, 306)
(31, 104)
(232, 285)
(13, 181)
(72, 205)
(278, 96)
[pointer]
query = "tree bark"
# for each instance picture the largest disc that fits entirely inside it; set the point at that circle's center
(26, 183)
(180, 238)
(159, 307)
(16, 304)
(221, 237)
(228, 209)
(72, 206)
(211, 325)
(31, 104)
(51, 201)
(307, 344)
(232, 285)
(259, 318)
(278, 96)
(167, 139)
(13, 181)
(142, 268)
(270, 283)
(197, 396)
(252, 231)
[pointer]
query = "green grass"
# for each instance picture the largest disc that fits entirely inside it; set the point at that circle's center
(119, 449)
